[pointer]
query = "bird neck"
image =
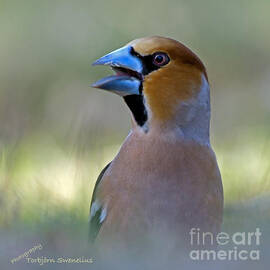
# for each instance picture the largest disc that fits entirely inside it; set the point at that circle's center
(190, 121)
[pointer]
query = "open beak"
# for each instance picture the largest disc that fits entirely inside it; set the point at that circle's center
(128, 72)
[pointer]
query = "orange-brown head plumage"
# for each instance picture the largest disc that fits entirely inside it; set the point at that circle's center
(175, 82)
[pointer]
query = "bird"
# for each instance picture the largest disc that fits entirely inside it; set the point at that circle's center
(165, 179)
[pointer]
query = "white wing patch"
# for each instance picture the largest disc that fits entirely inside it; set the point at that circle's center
(103, 215)
(96, 206)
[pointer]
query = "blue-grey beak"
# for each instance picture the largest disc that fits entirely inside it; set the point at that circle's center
(128, 68)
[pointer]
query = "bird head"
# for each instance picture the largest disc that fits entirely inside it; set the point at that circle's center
(162, 81)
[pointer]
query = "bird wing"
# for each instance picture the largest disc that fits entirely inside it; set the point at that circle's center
(96, 210)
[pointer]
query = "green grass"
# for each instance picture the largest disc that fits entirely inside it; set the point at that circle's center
(245, 164)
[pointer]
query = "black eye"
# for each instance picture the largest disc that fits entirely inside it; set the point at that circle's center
(160, 59)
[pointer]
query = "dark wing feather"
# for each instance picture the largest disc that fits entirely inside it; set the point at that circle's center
(94, 223)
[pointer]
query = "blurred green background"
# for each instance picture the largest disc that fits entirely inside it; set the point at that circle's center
(57, 133)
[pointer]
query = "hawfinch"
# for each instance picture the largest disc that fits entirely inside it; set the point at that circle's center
(165, 180)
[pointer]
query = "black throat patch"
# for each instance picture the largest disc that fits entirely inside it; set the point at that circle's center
(136, 102)
(136, 105)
